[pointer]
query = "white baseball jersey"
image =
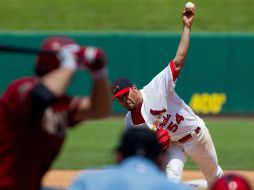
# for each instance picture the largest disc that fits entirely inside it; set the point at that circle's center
(162, 107)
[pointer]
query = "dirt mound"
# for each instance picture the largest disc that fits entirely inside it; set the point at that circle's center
(61, 179)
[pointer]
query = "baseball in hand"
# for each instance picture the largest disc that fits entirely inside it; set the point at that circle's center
(189, 5)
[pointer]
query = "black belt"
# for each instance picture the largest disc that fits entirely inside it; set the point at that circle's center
(189, 136)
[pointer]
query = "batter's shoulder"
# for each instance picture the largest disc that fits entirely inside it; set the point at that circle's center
(20, 82)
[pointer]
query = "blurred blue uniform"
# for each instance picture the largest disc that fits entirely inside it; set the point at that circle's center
(133, 173)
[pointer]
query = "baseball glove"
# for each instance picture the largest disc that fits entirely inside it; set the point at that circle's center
(163, 138)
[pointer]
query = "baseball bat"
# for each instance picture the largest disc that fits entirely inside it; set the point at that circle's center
(25, 50)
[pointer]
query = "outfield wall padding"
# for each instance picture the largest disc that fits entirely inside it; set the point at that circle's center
(217, 78)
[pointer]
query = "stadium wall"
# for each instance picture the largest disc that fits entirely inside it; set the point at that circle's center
(216, 78)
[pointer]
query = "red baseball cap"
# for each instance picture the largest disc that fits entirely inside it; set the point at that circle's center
(46, 64)
(120, 86)
(231, 182)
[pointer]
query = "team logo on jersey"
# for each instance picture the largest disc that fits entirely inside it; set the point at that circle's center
(166, 121)
(157, 112)
(54, 123)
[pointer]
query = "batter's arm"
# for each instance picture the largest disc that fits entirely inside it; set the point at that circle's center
(181, 54)
(98, 104)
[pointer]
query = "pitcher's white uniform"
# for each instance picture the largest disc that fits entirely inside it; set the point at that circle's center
(162, 107)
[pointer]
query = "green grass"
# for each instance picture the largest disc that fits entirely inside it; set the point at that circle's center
(124, 15)
(233, 140)
(91, 145)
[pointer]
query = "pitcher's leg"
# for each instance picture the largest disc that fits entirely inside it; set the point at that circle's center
(176, 161)
(204, 154)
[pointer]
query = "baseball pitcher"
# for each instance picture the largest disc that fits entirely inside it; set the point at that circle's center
(158, 107)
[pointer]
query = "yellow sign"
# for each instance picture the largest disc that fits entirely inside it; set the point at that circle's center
(207, 103)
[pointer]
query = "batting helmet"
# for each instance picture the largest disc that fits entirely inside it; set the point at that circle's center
(46, 63)
(231, 182)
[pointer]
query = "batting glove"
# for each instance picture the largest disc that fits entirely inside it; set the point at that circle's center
(68, 57)
(94, 60)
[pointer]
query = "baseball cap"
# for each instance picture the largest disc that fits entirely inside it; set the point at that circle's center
(120, 86)
(231, 182)
(45, 64)
(139, 142)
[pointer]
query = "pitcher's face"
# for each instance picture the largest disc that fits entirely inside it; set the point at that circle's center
(130, 100)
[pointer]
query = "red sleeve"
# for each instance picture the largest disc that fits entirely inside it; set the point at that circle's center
(175, 72)
(15, 98)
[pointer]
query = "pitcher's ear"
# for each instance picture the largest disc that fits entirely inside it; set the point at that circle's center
(134, 87)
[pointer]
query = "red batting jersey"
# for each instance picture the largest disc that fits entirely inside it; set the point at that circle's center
(29, 144)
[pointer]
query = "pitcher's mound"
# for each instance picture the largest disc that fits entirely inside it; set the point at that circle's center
(197, 183)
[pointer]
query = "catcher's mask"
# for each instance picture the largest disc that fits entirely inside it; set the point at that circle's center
(45, 63)
(231, 182)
